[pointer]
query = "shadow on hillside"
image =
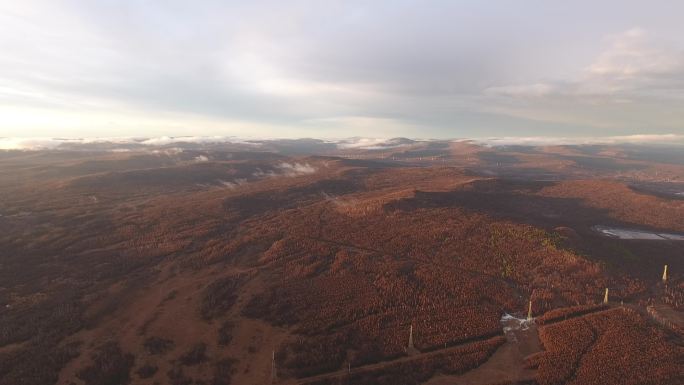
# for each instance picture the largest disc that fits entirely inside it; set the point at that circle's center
(515, 201)
(515, 205)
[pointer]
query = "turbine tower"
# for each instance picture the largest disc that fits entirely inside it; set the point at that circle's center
(273, 369)
(529, 311)
(410, 344)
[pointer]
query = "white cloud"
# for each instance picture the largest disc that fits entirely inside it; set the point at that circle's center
(321, 68)
(664, 139)
(634, 85)
(28, 143)
(361, 143)
(523, 90)
(636, 53)
(290, 169)
(295, 169)
(40, 143)
(166, 140)
(635, 65)
(232, 185)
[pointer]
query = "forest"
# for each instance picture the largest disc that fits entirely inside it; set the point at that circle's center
(134, 267)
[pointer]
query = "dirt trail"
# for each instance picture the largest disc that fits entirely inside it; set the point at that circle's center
(253, 340)
(506, 364)
(668, 316)
(379, 365)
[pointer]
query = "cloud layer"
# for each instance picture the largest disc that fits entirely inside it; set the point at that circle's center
(171, 145)
(337, 69)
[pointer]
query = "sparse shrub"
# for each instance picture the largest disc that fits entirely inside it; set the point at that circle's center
(223, 371)
(194, 356)
(146, 371)
(225, 333)
(506, 268)
(219, 296)
(177, 377)
(110, 366)
(36, 364)
(158, 345)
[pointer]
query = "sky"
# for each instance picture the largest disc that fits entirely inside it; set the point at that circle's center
(333, 69)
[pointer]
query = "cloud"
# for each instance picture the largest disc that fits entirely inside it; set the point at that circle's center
(635, 84)
(232, 185)
(286, 169)
(637, 54)
(523, 90)
(27, 143)
(654, 139)
(296, 169)
(167, 140)
(372, 143)
(364, 143)
(330, 69)
(40, 143)
(635, 65)
(162, 145)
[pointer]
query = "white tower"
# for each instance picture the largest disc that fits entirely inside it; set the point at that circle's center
(273, 368)
(529, 311)
(410, 344)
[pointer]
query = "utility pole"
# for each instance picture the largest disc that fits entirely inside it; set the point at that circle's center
(665, 274)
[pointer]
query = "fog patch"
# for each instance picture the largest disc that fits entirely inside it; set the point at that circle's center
(168, 151)
(231, 185)
(259, 173)
(655, 139)
(295, 169)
